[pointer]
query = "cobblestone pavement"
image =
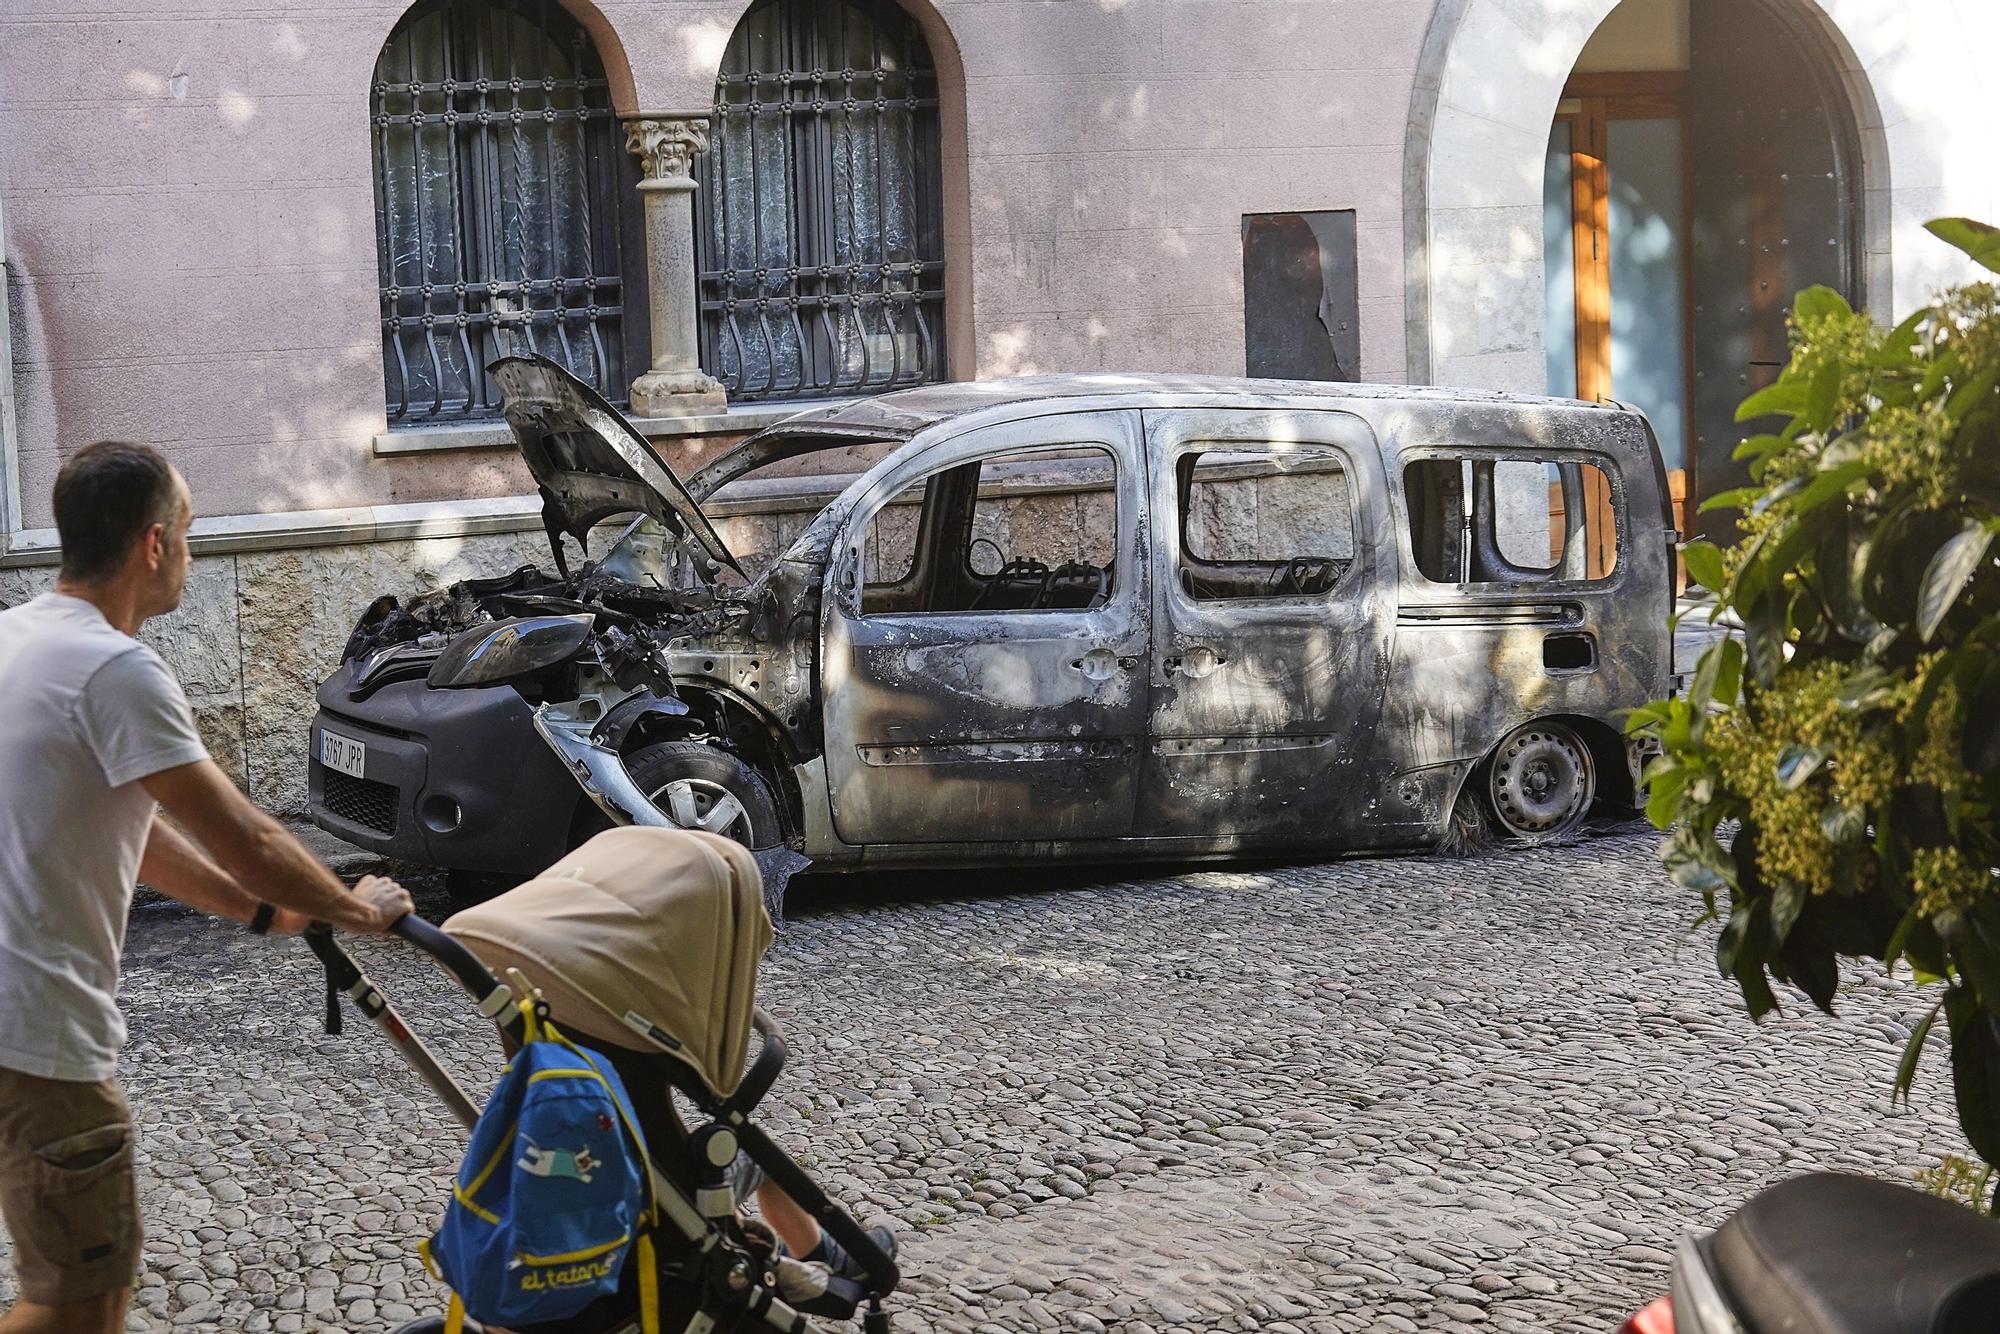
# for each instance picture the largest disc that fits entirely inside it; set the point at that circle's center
(1371, 1095)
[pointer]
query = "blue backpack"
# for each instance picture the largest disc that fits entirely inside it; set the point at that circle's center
(553, 1195)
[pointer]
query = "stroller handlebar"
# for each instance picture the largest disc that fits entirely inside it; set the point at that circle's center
(763, 1071)
(457, 960)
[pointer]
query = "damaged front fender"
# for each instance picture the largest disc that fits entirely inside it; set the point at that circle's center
(602, 774)
(599, 769)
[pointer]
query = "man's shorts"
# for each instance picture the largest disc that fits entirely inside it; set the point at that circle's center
(67, 1190)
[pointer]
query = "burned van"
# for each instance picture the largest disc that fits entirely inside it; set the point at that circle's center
(1086, 617)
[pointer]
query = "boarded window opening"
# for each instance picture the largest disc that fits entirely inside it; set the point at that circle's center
(1301, 296)
(1510, 520)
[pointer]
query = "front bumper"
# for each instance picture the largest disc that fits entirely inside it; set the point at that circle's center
(455, 778)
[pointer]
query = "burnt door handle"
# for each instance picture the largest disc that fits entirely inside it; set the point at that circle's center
(1197, 661)
(1100, 664)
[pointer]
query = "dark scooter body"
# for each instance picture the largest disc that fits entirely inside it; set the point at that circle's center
(1830, 1253)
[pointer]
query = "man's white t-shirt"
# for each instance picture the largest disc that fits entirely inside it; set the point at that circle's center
(86, 711)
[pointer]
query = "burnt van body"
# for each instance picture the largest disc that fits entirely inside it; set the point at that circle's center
(1085, 617)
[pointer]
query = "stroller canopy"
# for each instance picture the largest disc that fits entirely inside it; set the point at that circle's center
(668, 924)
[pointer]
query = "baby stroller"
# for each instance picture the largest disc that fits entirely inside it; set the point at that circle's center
(643, 945)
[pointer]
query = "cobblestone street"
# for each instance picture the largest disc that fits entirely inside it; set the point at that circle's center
(1370, 1095)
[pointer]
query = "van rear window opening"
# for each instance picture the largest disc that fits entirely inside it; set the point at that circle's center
(1494, 520)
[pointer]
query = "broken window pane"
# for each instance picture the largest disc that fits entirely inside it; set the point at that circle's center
(1527, 497)
(1030, 530)
(891, 550)
(1301, 296)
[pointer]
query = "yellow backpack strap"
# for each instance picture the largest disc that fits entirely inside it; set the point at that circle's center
(529, 998)
(649, 1287)
(454, 1316)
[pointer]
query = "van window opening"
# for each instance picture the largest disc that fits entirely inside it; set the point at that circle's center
(1493, 520)
(1028, 530)
(1263, 521)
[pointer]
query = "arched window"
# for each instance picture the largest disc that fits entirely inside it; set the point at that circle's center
(503, 200)
(821, 253)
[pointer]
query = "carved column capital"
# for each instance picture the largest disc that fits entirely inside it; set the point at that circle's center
(665, 146)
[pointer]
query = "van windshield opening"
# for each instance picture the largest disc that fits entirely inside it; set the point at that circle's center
(760, 512)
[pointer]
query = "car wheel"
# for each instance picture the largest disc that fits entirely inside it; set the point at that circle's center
(700, 787)
(1540, 782)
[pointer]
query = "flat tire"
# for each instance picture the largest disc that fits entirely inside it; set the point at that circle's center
(1540, 782)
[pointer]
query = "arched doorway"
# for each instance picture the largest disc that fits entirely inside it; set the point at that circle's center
(1704, 166)
(1494, 80)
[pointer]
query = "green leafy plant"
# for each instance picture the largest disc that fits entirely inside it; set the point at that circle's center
(1850, 736)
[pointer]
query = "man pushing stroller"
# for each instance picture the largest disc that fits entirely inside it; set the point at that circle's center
(662, 978)
(99, 737)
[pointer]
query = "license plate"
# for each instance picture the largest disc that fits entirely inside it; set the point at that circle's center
(343, 754)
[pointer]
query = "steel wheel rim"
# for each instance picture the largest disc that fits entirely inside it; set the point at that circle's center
(697, 803)
(1540, 781)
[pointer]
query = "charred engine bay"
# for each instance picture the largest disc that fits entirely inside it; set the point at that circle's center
(621, 628)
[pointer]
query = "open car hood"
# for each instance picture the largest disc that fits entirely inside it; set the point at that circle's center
(589, 462)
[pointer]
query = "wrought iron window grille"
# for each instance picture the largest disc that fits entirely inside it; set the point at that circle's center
(820, 253)
(504, 205)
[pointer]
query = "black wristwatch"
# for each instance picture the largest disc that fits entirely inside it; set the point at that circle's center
(261, 921)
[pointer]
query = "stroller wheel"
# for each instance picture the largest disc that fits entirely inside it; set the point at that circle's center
(700, 787)
(428, 1325)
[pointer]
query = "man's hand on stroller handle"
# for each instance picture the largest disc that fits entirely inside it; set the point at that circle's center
(371, 908)
(375, 904)
(378, 903)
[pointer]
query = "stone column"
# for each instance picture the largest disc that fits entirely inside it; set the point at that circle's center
(675, 386)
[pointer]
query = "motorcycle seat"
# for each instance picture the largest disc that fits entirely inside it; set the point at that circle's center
(1829, 1253)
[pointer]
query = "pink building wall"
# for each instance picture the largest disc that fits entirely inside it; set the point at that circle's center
(189, 210)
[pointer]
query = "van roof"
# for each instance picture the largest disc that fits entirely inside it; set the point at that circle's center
(907, 411)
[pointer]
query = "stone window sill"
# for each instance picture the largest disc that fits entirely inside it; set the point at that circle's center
(739, 420)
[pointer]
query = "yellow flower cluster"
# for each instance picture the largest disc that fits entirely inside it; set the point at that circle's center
(1943, 880)
(1790, 846)
(1801, 708)
(1863, 771)
(1848, 340)
(1969, 311)
(1938, 760)
(1911, 447)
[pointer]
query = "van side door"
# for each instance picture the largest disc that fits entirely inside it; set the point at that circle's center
(984, 637)
(1274, 600)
